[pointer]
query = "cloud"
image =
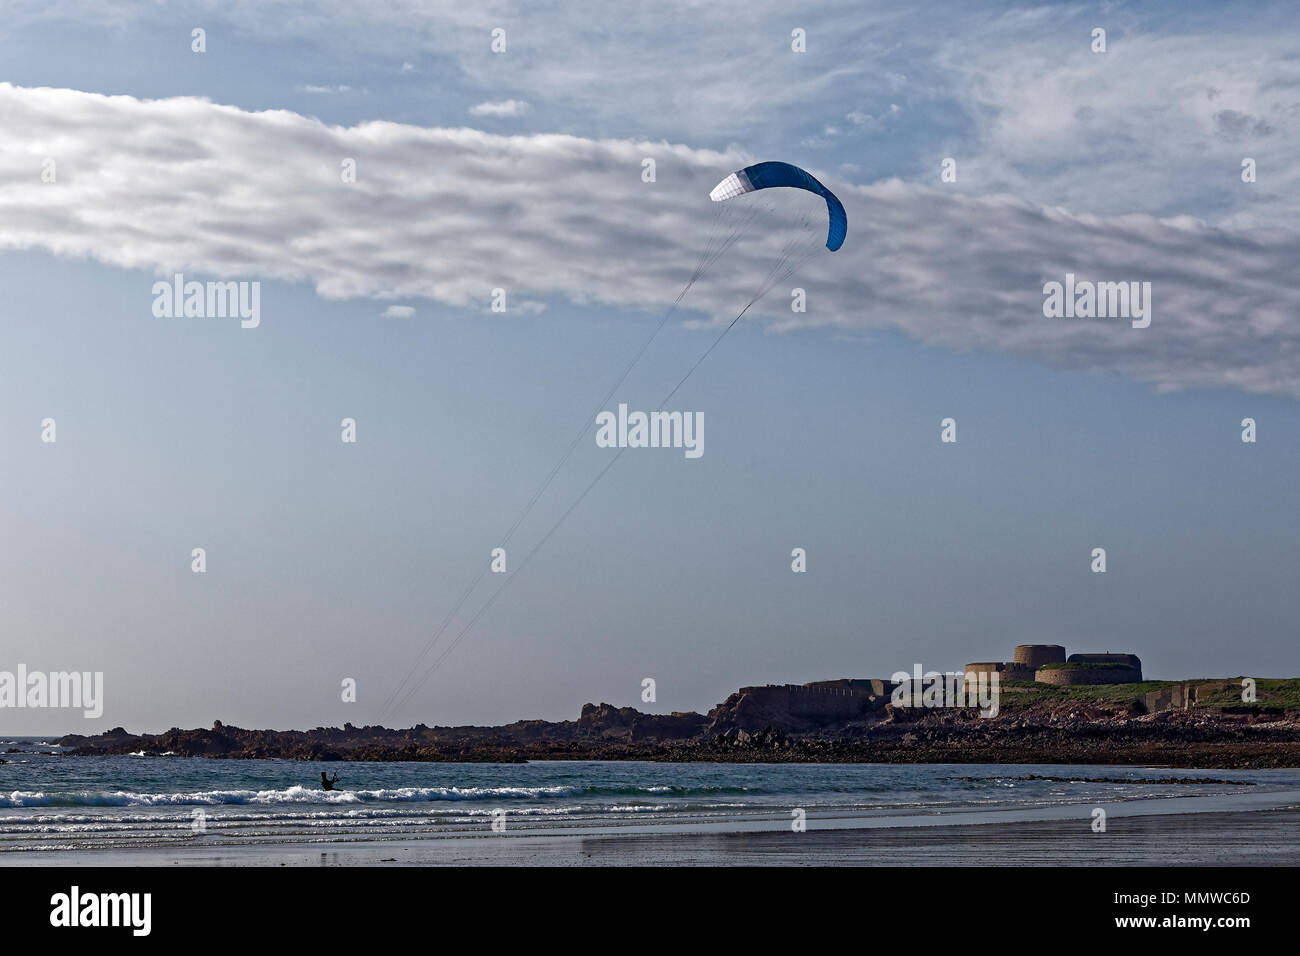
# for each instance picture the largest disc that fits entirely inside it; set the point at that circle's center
(185, 185)
(398, 312)
(859, 118)
(1015, 94)
(323, 89)
(601, 61)
(500, 109)
(1235, 125)
(1132, 129)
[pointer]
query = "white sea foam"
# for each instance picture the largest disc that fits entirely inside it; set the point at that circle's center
(290, 795)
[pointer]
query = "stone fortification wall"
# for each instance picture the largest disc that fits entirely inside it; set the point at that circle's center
(1007, 670)
(1132, 660)
(1036, 655)
(810, 702)
(1083, 674)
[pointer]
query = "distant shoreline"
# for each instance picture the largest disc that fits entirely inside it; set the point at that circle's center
(1162, 724)
(1203, 723)
(1223, 742)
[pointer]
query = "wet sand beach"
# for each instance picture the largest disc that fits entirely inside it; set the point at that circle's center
(1204, 833)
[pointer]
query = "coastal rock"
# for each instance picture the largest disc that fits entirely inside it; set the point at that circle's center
(822, 722)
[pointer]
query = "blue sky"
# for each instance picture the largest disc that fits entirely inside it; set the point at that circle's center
(329, 560)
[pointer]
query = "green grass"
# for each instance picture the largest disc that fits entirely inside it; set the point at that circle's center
(1271, 692)
(1023, 694)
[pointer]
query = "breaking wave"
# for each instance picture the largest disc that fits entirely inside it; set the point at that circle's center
(304, 795)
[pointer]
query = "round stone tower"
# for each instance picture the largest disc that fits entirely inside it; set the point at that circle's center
(1036, 655)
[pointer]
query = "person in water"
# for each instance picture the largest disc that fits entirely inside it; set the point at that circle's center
(326, 783)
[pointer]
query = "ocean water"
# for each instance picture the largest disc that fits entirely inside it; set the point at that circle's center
(49, 801)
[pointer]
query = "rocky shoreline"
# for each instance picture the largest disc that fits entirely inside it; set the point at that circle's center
(1062, 733)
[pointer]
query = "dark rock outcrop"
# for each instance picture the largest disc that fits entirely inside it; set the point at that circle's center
(831, 721)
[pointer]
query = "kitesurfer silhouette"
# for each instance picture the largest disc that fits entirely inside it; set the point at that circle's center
(326, 783)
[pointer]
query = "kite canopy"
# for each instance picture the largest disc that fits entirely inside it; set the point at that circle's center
(768, 175)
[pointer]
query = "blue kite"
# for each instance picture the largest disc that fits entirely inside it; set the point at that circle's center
(768, 175)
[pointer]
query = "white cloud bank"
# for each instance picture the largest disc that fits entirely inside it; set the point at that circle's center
(503, 109)
(450, 214)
